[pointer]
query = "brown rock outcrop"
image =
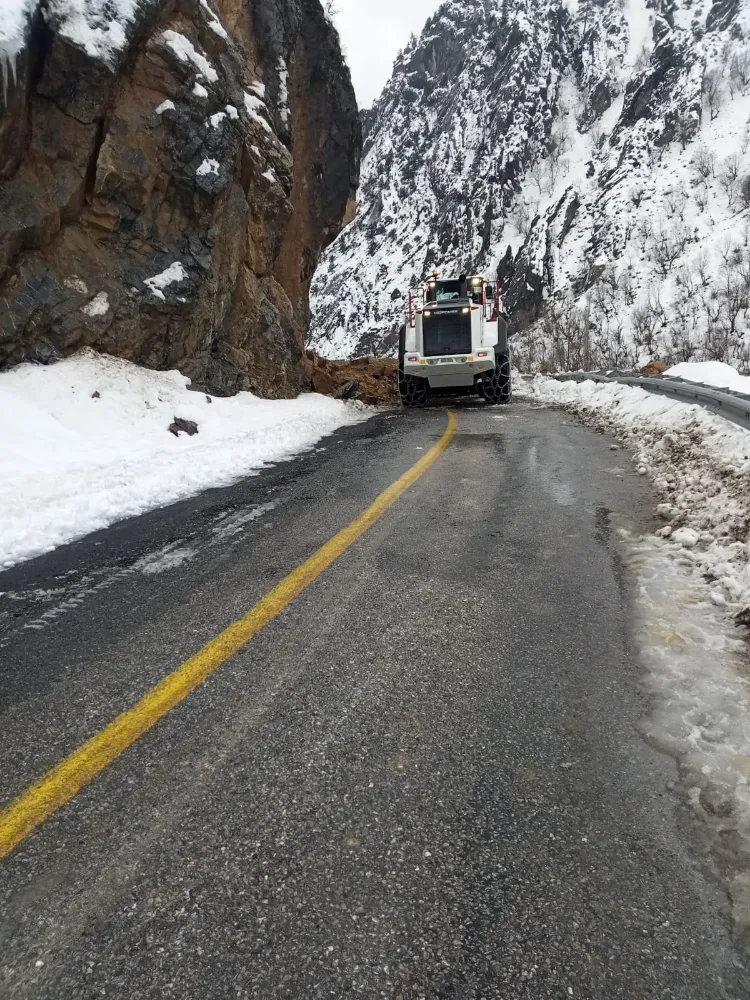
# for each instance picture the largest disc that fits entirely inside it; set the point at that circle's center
(169, 204)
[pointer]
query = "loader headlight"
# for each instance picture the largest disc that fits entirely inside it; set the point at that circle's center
(465, 309)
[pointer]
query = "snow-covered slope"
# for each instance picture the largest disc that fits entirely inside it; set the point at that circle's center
(597, 155)
(91, 444)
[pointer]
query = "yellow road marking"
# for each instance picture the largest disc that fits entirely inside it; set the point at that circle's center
(59, 785)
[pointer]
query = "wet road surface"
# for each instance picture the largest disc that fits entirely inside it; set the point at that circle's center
(421, 780)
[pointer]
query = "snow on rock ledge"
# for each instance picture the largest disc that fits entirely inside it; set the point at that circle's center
(91, 445)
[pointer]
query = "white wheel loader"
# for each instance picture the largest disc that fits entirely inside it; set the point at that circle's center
(454, 342)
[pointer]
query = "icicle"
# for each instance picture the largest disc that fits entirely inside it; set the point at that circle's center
(8, 58)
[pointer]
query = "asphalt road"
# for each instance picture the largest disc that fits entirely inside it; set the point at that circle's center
(422, 780)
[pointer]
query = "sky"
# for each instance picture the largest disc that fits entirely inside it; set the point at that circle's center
(372, 34)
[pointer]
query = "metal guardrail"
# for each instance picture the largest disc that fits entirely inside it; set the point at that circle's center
(727, 403)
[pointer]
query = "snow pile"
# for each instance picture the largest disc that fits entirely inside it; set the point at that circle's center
(91, 445)
(699, 463)
(714, 373)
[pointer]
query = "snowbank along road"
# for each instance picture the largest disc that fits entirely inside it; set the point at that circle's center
(414, 770)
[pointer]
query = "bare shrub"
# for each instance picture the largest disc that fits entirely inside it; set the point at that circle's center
(628, 288)
(666, 247)
(567, 328)
(521, 217)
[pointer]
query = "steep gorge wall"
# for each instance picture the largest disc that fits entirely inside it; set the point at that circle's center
(169, 175)
(593, 155)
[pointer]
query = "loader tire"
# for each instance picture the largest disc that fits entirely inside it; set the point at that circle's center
(414, 391)
(497, 383)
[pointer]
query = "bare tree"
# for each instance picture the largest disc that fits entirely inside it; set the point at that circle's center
(645, 231)
(666, 247)
(686, 128)
(538, 175)
(648, 320)
(628, 288)
(635, 195)
(739, 70)
(702, 268)
(567, 328)
(728, 176)
(642, 60)
(675, 201)
(704, 162)
(713, 92)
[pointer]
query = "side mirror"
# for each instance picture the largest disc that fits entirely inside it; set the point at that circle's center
(489, 291)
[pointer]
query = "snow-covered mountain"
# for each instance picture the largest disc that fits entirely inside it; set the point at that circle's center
(595, 155)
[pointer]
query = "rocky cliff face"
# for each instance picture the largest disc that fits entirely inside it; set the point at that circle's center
(170, 171)
(593, 154)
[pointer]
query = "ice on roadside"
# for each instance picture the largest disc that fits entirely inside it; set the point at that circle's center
(698, 462)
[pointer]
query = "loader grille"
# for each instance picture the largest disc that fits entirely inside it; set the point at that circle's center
(446, 331)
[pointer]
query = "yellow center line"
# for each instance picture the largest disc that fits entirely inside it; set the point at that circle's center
(58, 786)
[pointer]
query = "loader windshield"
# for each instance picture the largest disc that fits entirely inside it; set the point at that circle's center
(446, 291)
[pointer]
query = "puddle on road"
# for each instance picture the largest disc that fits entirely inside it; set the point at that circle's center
(561, 492)
(698, 681)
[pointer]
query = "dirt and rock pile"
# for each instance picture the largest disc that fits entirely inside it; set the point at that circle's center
(370, 380)
(169, 175)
